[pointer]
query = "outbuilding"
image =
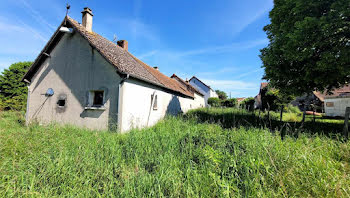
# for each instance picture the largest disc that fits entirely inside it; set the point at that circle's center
(83, 79)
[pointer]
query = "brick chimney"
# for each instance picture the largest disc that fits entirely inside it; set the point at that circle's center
(87, 19)
(123, 44)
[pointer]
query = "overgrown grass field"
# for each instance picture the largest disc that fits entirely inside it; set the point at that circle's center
(178, 157)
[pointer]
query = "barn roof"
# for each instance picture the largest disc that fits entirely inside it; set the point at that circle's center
(337, 93)
(124, 61)
(188, 86)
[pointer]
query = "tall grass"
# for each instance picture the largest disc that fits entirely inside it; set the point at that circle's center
(175, 158)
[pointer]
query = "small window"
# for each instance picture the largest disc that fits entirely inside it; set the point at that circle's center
(330, 104)
(97, 98)
(155, 103)
(61, 102)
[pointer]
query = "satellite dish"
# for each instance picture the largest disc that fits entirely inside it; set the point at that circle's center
(49, 92)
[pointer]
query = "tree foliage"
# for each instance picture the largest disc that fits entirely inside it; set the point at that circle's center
(273, 98)
(13, 92)
(222, 95)
(248, 103)
(214, 102)
(232, 102)
(309, 45)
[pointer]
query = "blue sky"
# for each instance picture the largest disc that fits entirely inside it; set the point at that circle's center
(217, 41)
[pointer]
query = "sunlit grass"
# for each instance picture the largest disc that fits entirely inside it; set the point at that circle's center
(176, 158)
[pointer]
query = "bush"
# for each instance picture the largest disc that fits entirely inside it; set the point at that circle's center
(248, 103)
(229, 102)
(292, 109)
(214, 102)
(13, 92)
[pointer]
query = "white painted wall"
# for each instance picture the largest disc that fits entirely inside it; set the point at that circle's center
(137, 106)
(208, 93)
(339, 107)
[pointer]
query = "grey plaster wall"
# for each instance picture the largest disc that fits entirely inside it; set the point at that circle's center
(73, 69)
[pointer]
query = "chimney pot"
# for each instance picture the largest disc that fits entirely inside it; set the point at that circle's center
(123, 44)
(87, 19)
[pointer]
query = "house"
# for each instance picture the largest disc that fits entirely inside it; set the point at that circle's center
(258, 98)
(198, 96)
(83, 79)
(336, 102)
(206, 90)
(239, 100)
(305, 101)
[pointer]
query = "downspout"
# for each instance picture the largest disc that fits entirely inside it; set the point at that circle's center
(27, 106)
(120, 101)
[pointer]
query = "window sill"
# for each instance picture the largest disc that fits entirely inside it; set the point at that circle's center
(102, 108)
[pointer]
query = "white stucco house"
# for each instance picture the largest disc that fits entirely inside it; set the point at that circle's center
(83, 79)
(335, 103)
(205, 89)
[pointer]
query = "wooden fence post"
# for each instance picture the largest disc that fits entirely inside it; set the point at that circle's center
(346, 123)
(281, 115)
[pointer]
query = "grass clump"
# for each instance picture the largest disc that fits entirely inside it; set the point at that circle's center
(175, 158)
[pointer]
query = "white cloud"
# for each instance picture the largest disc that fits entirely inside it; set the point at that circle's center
(243, 22)
(248, 73)
(230, 84)
(147, 54)
(37, 16)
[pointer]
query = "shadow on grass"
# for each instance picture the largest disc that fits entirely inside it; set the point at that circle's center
(240, 118)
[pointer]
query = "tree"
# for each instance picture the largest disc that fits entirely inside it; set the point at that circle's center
(248, 103)
(232, 102)
(274, 99)
(309, 45)
(222, 95)
(214, 102)
(13, 92)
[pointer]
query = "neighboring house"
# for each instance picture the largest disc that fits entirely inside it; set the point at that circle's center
(336, 102)
(239, 100)
(83, 79)
(304, 102)
(258, 98)
(206, 90)
(198, 96)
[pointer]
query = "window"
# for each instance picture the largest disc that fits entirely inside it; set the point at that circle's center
(61, 102)
(97, 98)
(330, 104)
(155, 103)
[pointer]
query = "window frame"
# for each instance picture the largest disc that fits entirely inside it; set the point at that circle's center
(92, 98)
(155, 102)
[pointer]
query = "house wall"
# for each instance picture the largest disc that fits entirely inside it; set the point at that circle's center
(73, 69)
(137, 104)
(338, 108)
(208, 93)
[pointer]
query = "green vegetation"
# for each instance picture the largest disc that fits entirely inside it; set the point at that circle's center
(309, 45)
(222, 95)
(13, 92)
(178, 157)
(248, 103)
(214, 102)
(232, 102)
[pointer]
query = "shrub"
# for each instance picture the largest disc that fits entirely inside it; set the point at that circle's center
(248, 103)
(214, 102)
(13, 92)
(292, 109)
(230, 102)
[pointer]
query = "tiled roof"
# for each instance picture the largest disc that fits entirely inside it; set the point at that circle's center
(123, 60)
(187, 85)
(340, 92)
